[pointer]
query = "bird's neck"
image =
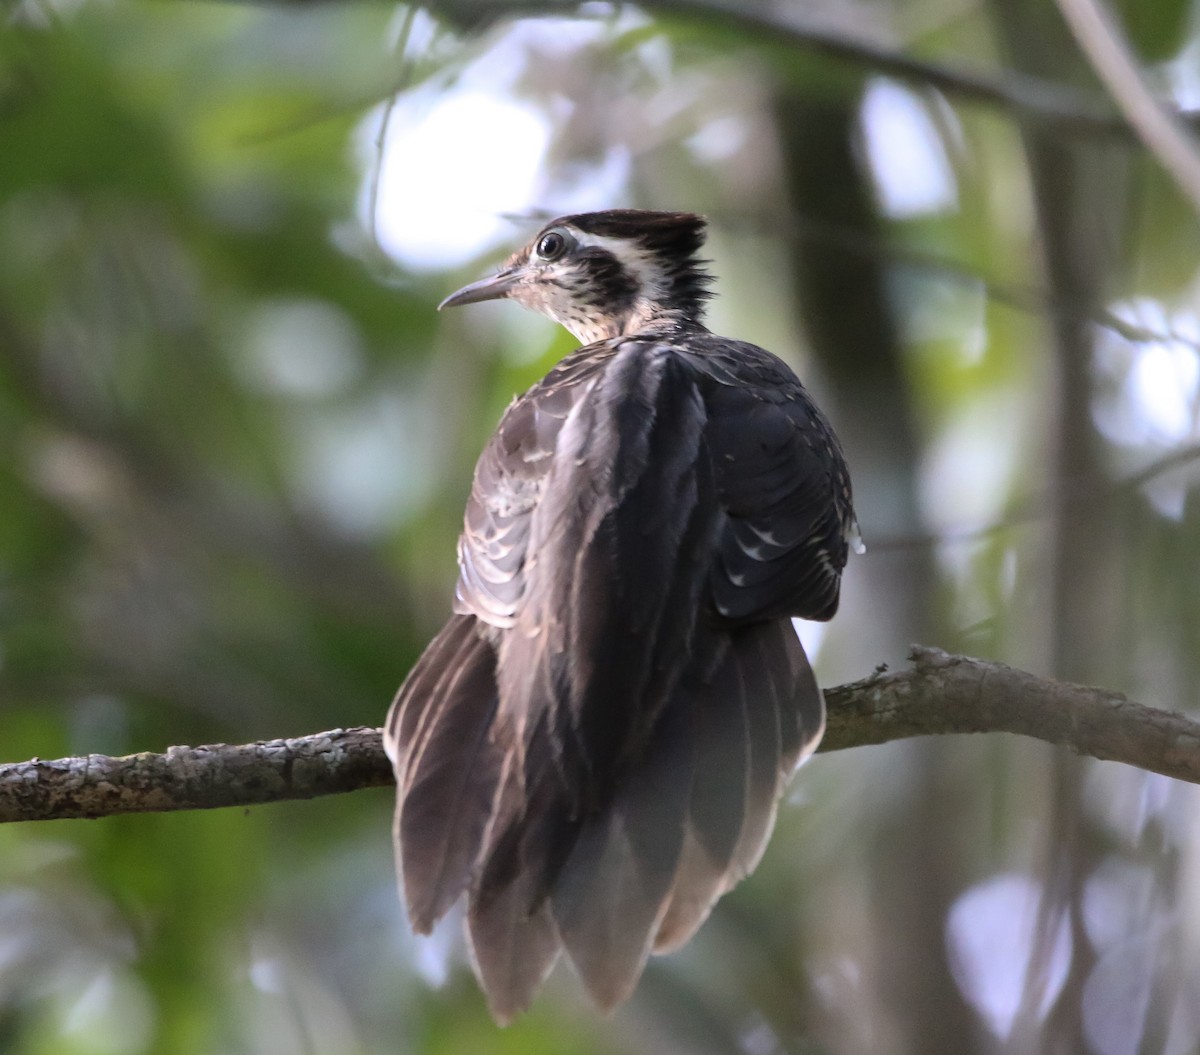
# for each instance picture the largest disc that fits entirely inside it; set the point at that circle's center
(642, 318)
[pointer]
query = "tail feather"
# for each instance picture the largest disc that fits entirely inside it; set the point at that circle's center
(512, 951)
(483, 807)
(786, 719)
(717, 806)
(758, 715)
(802, 711)
(407, 726)
(532, 830)
(610, 899)
(447, 771)
(514, 941)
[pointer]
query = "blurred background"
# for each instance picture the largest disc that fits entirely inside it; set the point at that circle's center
(236, 441)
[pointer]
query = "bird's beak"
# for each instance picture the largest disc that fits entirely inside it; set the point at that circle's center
(485, 289)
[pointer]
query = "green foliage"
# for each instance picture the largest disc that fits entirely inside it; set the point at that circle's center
(1157, 31)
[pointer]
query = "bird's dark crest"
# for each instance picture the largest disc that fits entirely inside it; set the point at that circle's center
(673, 237)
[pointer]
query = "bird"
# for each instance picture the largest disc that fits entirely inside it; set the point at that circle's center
(592, 750)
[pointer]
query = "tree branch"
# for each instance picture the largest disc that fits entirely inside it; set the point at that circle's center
(940, 694)
(1157, 125)
(194, 778)
(1024, 96)
(957, 694)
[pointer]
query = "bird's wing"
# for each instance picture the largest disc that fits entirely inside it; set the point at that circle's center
(616, 573)
(509, 479)
(783, 483)
(622, 500)
(592, 669)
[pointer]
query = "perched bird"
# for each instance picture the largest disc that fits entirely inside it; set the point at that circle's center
(593, 747)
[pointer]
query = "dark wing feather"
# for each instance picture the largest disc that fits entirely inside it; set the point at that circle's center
(510, 477)
(785, 720)
(591, 676)
(513, 939)
(757, 715)
(439, 735)
(638, 586)
(408, 716)
(621, 539)
(615, 887)
(784, 483)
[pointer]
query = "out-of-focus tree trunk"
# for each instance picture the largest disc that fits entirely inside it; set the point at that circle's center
(1078, 189)
(842, 298)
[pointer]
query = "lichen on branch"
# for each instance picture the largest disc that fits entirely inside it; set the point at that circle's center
(939, 694)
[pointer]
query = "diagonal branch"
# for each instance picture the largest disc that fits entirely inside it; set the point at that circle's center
(940, 694)
(1156, 124)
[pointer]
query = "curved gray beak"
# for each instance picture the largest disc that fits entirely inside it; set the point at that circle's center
(485, 289)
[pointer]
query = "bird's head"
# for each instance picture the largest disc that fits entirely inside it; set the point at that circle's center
(605, 274)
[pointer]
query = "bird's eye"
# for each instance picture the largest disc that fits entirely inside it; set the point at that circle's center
(552, 245)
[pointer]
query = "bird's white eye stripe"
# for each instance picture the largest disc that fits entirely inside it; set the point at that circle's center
(636, 262)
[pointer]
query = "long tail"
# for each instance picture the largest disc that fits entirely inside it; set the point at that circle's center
(481, 808)
(439, 736)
